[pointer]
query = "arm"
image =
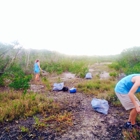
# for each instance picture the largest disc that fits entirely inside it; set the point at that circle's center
(39, 65)
(131, 95)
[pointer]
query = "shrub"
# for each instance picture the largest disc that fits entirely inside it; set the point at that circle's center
(20, 82)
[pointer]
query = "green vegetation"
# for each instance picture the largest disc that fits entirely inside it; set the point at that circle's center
(128, 62)
(14, 54)
(15, 105)
(96, 87)
(24, 129)
(16, 72)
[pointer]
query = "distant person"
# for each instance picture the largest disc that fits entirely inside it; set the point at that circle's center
(125, 90)
(37, 70)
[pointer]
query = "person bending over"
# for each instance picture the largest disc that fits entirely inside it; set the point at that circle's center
(125, 90)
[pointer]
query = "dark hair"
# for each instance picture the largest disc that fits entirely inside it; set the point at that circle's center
(37, 61)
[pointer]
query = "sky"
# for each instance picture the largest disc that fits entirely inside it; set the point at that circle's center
(74, 27)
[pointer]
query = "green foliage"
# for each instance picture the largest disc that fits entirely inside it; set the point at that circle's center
(2, 80)
(95, 87)
(18, 80)
(134, 69)
(24, 129)
(54, 67)
(129, 61)
(79, 68)
(113, 74)
(115, 65)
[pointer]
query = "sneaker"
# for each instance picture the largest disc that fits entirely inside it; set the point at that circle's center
(128, 125)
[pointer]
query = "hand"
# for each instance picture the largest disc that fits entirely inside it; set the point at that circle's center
(138, 109)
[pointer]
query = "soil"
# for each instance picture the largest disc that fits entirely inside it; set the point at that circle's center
(88, 124)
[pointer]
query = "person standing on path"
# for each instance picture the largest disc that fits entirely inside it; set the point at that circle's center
(37, 70)
(125, 90)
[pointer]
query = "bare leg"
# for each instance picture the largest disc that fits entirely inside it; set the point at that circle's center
(38, 77)
(132, 116)
(35, 77)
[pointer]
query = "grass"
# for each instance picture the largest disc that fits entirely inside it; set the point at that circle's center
(16, 105)
(133, 134)
(96, 86)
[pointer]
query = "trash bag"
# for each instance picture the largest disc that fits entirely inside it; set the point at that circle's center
(100, 105)
(88, 76)
(58, 86)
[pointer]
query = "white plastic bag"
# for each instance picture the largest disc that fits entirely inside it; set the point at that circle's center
(100, 105)
(88, 75)
(58, 86)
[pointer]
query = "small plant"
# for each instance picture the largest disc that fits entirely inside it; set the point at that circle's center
(38, 123)
(59, 122)
(113, 74)
(24, 129)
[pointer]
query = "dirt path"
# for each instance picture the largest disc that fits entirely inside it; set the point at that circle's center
(91, 125)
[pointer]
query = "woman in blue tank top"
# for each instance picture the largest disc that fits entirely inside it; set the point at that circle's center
(37, 70)
(125, 90)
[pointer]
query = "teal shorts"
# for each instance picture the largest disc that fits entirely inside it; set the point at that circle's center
(36, 71)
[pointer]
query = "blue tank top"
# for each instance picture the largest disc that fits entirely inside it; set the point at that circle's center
(125, 84)
(36, 68)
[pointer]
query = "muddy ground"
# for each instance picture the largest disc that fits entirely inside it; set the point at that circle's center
(88, 124)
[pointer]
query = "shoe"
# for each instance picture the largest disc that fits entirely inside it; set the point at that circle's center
(128, 125)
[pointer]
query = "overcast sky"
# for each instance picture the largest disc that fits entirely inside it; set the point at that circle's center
(78, 27)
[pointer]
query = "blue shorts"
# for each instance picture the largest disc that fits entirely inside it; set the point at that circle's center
(37, 71)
